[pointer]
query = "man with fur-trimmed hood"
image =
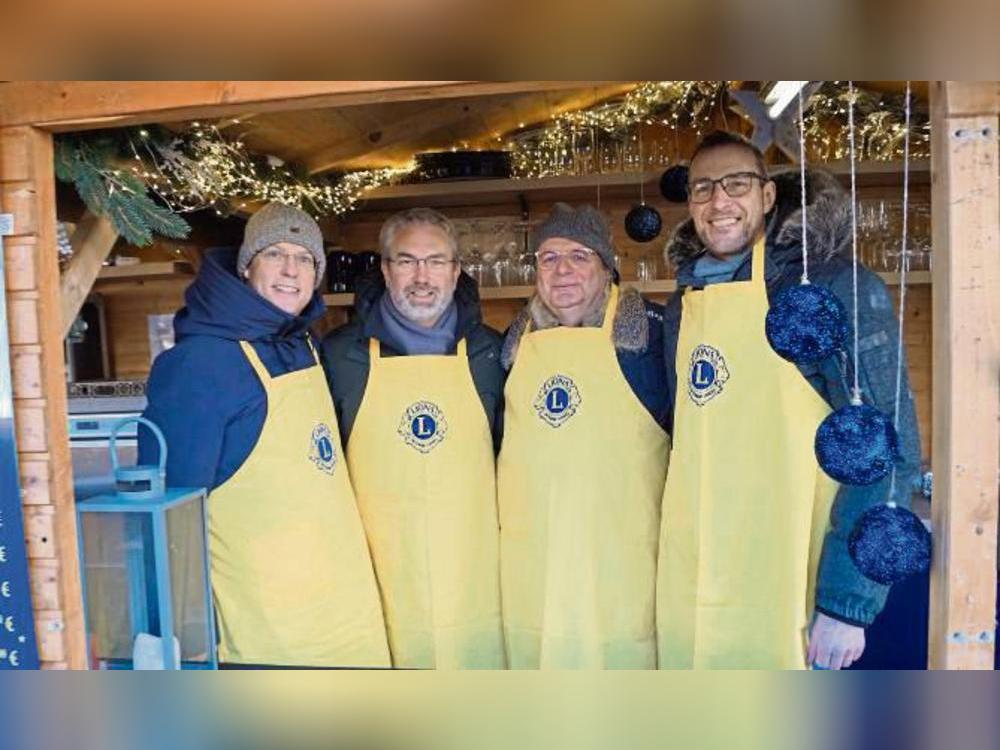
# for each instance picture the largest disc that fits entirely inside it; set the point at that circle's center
(581, 469)
(754, 570)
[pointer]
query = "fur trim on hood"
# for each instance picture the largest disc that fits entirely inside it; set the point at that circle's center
(828, 208)
(630, 327)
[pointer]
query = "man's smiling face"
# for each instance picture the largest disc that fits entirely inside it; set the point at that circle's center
(727, 225)
(284, 275)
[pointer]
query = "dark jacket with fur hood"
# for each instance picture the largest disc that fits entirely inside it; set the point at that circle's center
(841, 592)
(638, 340)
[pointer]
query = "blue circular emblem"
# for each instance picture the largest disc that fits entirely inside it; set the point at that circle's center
(325, 448)
(702, 374)
(423, 426)
(557, 400)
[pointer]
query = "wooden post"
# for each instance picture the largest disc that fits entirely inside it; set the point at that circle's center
(965, 196)
(27, 190)
(92, 241)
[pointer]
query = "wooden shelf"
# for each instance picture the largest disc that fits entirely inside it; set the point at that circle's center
(571, 187)
(137, 276)
(660, 286)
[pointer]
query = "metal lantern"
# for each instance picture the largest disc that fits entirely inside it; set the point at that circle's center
(144, 555)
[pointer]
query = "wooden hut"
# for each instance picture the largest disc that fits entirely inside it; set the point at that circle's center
(953, 321)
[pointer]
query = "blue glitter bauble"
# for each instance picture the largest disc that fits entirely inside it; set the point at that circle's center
(857, 445)
(674, 184)
(643, 223)
(889, 544)
(806, 323)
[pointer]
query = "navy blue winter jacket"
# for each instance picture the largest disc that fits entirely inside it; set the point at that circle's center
(203, 393)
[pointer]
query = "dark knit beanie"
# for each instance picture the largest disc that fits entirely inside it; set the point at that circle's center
(585, 225)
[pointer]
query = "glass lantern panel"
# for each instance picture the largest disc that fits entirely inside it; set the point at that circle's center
(121, 583)
(186, 541)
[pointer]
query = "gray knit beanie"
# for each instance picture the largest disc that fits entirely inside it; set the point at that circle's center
(276, 223)
(585, 225)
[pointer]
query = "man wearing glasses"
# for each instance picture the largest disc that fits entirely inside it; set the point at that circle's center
(244, 406)
(417, 383)
(754, 570)
(581, 471)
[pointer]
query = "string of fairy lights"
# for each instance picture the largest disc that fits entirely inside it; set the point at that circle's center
(201, 168)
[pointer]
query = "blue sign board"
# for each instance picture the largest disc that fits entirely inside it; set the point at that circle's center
(18, 649)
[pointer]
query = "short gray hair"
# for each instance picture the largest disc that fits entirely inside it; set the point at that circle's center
(411, 216)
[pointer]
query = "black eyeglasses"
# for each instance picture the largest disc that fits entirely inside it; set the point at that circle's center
(736, 185)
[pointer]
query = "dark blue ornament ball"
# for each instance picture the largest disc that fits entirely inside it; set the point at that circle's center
(857, 445)
(643, 223)
(806, 323)
(889, 544)
(674, 184)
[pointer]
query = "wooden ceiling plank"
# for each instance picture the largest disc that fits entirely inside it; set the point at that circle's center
(75, 105)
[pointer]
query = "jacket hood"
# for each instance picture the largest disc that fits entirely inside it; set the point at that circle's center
(828, 210)
(369, 288)
(218, 304)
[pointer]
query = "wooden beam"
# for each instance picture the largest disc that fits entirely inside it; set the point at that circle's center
(92, 242)
(79, 105)
(968, 98)
(965, 198)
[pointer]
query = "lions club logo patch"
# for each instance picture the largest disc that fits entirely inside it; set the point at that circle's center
(322, 451)
(708, 374)
(423, 426)
(557, 400)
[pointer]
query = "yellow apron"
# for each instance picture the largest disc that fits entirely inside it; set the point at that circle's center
(746, 506)
(291, 574)
(421, 458)
(580, 480)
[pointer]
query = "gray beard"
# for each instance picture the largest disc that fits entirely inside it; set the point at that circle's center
(419, 314)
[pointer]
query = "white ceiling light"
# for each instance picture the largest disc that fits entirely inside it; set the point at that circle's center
(781, 95)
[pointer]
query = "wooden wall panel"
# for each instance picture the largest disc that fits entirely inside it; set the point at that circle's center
(27, 191)
(126, 315)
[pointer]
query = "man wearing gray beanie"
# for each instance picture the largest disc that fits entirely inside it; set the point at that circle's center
(583, 462)
(243, 403)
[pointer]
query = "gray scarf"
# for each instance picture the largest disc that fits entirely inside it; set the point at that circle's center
(412, 338)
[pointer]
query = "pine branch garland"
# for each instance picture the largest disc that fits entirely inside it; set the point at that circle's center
(113, 192)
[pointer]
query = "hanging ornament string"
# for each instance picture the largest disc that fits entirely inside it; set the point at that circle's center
(856, 392)
(807, 322)
(890, 543)
(904, 263)
(642, 196)
(802, 183)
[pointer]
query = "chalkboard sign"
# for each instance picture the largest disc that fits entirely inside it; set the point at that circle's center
(18, 649)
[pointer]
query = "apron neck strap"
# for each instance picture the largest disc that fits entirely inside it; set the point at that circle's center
(255, 363)
(312, 348)
(375, 349)
(610, 309)
(757, 261)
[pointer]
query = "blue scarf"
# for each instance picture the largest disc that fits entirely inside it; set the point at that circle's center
(412, 338)
(711, 270)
